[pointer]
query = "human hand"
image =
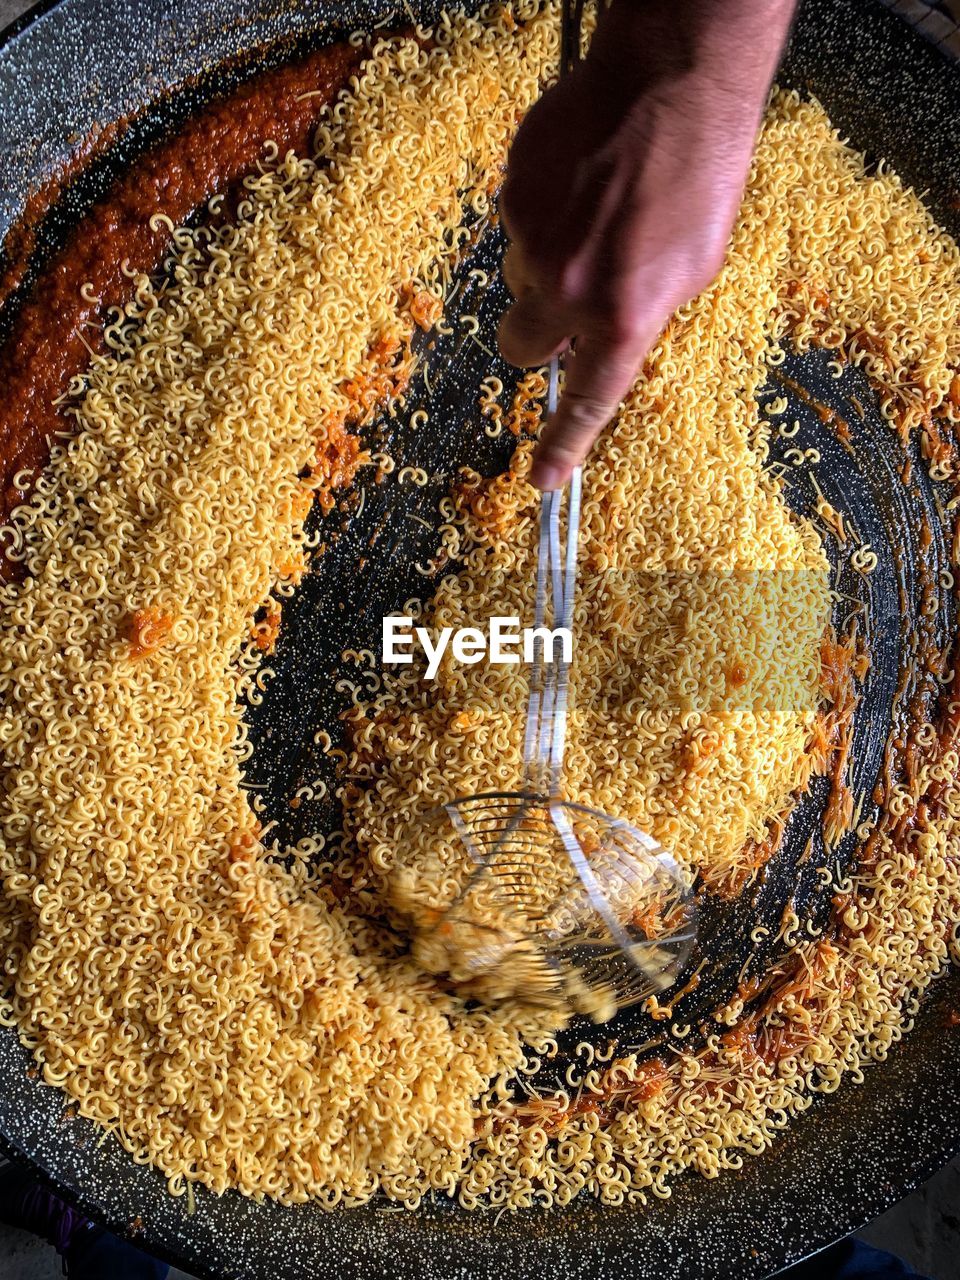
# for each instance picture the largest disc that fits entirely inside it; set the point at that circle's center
(622, 187)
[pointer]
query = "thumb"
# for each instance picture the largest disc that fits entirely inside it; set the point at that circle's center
(598, 377)
(532, 332)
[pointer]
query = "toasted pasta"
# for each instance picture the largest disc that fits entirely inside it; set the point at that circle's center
(244, 1025)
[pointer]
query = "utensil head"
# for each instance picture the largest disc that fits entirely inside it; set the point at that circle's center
(561, 903)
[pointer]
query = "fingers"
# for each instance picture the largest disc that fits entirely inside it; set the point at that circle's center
(532, 332)
(598, 377)
(515, 271)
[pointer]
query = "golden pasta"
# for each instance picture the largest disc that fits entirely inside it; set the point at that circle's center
(243, 1025)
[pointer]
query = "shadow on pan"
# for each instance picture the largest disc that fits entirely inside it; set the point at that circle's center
(851, 1155)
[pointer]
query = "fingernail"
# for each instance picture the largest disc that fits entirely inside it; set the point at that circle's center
(546, 475)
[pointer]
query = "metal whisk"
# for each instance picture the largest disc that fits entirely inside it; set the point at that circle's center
(564, 905)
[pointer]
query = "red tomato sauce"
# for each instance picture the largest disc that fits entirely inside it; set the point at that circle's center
(52, 337)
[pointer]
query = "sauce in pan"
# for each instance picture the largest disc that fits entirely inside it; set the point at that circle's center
(61, 321)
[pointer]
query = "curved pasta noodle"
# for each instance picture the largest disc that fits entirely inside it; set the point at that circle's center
(171, 974)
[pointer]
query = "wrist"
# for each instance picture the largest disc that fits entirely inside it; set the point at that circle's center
(733, 44)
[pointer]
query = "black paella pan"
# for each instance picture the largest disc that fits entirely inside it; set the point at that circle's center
(77, 64)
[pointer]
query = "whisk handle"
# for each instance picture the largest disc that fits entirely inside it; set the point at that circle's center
(556, 581)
